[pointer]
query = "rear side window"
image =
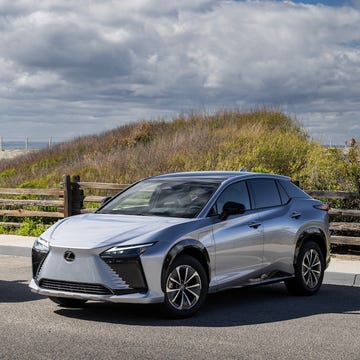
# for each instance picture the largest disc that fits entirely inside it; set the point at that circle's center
(292, 190)
(284, 196)
(265, 193)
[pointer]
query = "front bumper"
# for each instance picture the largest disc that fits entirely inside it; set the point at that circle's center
(91, 276)
(136, 298)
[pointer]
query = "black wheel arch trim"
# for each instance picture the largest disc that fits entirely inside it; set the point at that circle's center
(315, 234)
(185, 246)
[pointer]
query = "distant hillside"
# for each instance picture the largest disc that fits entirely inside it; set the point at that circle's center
(264, 140)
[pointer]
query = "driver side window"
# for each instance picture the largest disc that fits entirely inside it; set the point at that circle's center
(237, 192)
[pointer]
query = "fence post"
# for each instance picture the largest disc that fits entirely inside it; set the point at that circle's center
(77, 196)
(67, 196)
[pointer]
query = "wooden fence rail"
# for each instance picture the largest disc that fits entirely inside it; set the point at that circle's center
(75, 197)
(337, 226)
(20, 207)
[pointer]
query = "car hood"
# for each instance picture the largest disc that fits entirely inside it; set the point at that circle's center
(100, 230)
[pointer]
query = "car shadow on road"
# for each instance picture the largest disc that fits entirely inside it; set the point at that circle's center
(248, 306)
(16, 291)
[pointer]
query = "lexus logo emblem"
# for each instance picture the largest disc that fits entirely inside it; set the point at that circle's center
(69, 256)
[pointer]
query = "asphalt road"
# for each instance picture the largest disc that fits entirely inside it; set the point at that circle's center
(256, 323)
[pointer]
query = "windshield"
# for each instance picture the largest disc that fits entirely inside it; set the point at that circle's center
(173, 198)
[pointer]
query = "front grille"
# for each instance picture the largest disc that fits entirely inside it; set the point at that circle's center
(69, 286)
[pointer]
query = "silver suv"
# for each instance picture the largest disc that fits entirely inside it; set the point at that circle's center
(174, 238)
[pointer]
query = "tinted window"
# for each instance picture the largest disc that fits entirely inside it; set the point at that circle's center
(292, 190)
(284, 196)
(235, 192)
(265, 193)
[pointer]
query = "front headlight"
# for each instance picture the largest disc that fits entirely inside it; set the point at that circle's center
(39, 253)
(126, 251)
(41, 245)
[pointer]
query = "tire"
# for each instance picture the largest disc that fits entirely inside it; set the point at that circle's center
(186, 287)
(309, 271)
(68, 302)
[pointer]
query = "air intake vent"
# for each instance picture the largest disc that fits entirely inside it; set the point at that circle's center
(69, 286)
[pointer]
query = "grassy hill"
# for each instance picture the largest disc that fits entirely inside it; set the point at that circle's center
(263, 140)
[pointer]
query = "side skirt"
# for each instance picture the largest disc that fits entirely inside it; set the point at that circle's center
(264, 279)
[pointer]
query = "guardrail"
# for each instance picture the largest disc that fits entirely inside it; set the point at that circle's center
(75, 197)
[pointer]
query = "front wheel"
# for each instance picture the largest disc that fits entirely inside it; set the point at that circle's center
(68, 302)
(186, 287)
(309, 271)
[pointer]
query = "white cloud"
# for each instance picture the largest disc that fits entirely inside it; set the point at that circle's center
(100, 63)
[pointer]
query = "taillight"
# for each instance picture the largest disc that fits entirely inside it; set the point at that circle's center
(322, 207)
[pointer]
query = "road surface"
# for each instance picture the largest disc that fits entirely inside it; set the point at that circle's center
(257, 323)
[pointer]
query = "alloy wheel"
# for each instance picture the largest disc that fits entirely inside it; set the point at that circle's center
(311, 268)
(183, 287)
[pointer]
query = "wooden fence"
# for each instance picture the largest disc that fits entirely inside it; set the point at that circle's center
(75, 197)
(336, 226)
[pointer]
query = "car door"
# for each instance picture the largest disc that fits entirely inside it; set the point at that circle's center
(272, 206)
(238, 239)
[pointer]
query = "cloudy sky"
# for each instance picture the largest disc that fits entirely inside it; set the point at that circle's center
(69, 68)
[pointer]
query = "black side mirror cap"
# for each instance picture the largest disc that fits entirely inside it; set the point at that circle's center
(232, 208)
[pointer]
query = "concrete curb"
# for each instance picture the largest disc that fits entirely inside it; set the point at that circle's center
(340, 271)
(16, 245)
(17, 240)
(343, 272)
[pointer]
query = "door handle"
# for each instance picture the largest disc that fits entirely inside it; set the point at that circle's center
(295, 215)
(254, 225)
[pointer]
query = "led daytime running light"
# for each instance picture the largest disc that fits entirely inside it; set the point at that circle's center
(122, 249)
(41, 245)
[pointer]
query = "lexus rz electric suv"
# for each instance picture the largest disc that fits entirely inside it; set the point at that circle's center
(174, 238)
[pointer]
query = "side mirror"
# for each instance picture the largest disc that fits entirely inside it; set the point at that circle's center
(105, 200)
(231, 208)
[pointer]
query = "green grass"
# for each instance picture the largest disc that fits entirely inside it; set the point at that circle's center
(28, 227)
(263, 140)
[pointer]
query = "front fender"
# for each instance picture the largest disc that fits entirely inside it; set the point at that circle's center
(190, 247)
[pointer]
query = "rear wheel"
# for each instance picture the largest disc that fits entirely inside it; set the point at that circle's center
(68, 302)
(186, 287)
(309, 271)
